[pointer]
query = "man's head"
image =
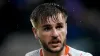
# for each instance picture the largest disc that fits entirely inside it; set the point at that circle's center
(49, 26)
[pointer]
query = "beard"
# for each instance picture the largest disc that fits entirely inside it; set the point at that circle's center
(46, 47)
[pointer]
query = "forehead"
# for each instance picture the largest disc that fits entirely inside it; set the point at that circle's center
(59, 18)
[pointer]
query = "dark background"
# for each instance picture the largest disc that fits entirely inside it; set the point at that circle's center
(16, 37)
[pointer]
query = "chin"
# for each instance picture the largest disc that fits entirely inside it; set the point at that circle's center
(54, 48)
(57, 49)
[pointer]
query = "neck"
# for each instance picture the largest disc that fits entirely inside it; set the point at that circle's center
(46, 53)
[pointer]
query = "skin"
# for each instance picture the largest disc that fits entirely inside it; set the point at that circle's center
(52, 35)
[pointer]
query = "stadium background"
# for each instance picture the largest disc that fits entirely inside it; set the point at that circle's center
(16, 37)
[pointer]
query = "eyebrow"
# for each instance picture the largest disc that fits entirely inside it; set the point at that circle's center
(48, 25)
(59, 23)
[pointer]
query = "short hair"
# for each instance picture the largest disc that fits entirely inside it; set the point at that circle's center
(45, 10)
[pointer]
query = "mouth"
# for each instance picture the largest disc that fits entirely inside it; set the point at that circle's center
(55, 43)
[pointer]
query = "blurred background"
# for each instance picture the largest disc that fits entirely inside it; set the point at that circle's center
(16, 37)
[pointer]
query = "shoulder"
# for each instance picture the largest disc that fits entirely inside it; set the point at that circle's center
(33, 53)
(76, 52)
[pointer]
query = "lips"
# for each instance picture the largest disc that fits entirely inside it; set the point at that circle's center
(55, 42)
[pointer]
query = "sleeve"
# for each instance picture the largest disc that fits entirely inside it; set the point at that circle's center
(27, 54)
(88, 54)
(33, 53)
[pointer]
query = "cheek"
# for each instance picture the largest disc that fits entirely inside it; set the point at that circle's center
(63, 34)
(44, 36)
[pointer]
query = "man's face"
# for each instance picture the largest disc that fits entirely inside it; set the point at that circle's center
(52, 33)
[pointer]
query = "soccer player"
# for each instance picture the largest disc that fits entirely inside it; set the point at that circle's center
(50, 28)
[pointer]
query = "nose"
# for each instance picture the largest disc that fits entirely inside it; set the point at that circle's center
(54, 33)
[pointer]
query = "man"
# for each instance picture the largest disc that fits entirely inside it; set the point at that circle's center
(50, 28)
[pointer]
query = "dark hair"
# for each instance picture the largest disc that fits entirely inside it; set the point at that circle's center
(45, 10)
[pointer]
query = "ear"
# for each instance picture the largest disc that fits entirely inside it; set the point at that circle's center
(35, 32)
(66, 28)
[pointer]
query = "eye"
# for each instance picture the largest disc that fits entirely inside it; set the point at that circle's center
(47, 29)
(59, 27)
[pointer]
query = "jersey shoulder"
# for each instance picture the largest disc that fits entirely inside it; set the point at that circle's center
(33, 53)
(76, 52)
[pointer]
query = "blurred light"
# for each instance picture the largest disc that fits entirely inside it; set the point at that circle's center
(25, 4)
(18, 44)
(2, 2)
